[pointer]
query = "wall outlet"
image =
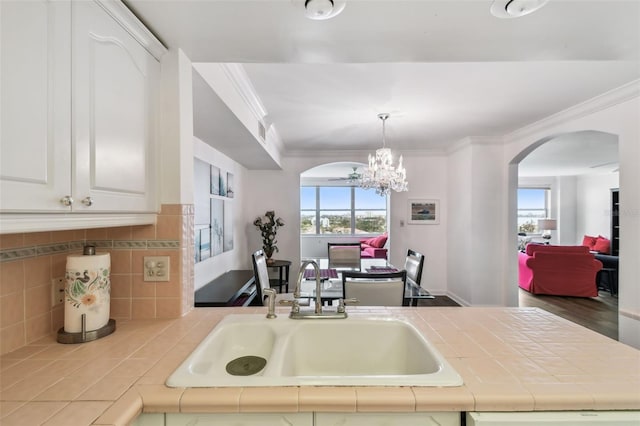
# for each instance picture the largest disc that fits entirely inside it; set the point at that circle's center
(57, 291)
(156, 268)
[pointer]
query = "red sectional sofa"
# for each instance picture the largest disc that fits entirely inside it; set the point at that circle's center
(558, 270)
(374, 247)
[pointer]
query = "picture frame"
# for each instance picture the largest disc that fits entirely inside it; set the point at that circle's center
(423, 212)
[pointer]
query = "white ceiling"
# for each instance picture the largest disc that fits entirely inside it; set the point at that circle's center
(444, 69)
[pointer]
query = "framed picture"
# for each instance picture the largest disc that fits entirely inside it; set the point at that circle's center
(230, 186)
(424, 212)
(215, 180)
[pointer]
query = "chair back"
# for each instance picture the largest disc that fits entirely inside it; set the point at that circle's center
(379, 289)
(261, 274)
(344, 255)
(413, 265)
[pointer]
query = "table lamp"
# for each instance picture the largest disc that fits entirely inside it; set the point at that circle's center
(546, 226)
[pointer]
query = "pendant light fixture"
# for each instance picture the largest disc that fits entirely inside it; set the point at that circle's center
(380, 174)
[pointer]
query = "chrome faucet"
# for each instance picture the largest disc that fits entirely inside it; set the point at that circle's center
(270, 293)
(296, 313)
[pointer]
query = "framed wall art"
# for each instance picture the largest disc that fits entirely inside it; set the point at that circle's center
(424, 212)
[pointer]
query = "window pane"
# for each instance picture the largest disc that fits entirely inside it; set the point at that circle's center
(368, 199)
(308, 222)
(371, 222)
(532, 198)
(335, 222)
(332, 197)
(307, 197)
(532, 205)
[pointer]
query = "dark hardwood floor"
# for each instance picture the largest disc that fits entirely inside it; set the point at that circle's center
(596, 313)
(599, 314)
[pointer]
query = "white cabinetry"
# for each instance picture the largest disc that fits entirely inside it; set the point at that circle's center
(79, 93)
(301, 419)
(247, 419)
(387, 419)
(35, 113)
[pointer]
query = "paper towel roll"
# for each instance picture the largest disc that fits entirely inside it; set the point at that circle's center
(88, 291)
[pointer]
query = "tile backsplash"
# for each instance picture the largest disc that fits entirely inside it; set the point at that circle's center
(29, 262)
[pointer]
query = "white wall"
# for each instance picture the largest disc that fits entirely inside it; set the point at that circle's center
(176, 124)
(427, 177)
(280, 191)
(215, 266)
(459, 226)
(593, 201)
(568, 212)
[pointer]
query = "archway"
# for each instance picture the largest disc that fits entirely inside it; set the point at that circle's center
(333, 208)
(578, 171)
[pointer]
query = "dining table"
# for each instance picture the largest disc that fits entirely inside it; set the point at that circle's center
(331, 283)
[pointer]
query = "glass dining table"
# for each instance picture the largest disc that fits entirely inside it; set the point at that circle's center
(331, 282)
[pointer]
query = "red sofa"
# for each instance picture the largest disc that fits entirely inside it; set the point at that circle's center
(558, 270)
(374, 247)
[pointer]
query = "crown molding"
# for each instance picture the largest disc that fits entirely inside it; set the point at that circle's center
(355, 155)
(240, 81)
(474, 140)
(601, 102)
(134, 26)
(243, 86)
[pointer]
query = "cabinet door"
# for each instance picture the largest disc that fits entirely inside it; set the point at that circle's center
(387, 419)
(240, 419)
(114, 80)
(35, 109)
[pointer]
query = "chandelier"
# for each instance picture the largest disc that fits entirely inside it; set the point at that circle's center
(380, 173)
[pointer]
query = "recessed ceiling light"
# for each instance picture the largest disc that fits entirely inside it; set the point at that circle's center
(323, 9)
(515, 8)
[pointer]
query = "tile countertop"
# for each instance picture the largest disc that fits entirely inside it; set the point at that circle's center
(511, 359)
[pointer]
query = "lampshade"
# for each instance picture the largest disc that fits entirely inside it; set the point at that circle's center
(547, 224)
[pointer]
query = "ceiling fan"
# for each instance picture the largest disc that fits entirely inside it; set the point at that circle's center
(351, 177)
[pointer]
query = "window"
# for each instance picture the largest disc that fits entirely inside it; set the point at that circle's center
(344, 210)
(533, 204)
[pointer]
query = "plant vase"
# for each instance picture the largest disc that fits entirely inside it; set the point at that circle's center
(269, 253)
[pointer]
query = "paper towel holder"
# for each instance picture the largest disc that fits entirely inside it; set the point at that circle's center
(84, 335)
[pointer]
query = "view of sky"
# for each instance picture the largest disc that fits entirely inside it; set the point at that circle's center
(339, 197)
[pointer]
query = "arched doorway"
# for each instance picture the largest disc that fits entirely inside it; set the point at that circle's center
(574, 176)
(333, 208)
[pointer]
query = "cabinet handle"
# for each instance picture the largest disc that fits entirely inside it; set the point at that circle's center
(87, 202)
(66, 201)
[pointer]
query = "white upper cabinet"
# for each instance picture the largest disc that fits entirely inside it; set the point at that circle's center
(79, 84)
(35, 109)
(114, 80)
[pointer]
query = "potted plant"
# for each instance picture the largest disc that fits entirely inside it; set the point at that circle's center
(268, 226)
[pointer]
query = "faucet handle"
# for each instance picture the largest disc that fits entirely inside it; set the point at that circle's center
(271, 302)
(343, 302)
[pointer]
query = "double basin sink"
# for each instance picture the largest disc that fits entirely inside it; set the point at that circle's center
(250, 350)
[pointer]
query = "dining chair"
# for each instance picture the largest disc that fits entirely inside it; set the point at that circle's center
(344, 255)
(374, 289)
(263, 282)
(413, 264)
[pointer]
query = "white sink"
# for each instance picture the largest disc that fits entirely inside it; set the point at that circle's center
(371, 351)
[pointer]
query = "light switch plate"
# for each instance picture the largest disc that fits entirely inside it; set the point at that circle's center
(156, 268)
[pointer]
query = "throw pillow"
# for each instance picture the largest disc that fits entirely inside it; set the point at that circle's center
(379, 242)
(602, 245)
(368, 241)
(589, 241)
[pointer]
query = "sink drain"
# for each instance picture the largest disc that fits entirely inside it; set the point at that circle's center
(246, 365)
